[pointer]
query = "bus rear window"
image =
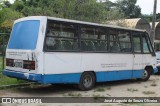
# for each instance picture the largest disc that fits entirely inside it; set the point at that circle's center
(24, 35)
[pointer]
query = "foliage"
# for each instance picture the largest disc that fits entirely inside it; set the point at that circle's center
(7, 16)
(72, 9)
(129, 8)
(85, 10)
(149, 17)
(158, 17)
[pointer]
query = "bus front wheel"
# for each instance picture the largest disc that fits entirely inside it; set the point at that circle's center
(146, 75)
(87, 81)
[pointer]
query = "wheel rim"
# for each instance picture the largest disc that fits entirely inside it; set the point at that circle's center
(87, 82)
(145, 74)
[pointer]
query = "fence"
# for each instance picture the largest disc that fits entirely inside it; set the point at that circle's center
(3, 42)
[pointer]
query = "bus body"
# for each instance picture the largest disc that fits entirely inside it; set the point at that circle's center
(54, 50)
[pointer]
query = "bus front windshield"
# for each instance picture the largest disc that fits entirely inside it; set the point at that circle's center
(24, 35)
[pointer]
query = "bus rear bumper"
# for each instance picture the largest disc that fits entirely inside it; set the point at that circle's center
(21, 75)
(45, 79)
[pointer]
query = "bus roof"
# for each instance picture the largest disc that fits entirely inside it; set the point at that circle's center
(94, 24)
(76, 21)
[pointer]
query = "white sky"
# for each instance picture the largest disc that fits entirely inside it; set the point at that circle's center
(146, 5)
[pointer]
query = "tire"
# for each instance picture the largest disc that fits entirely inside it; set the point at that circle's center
(146, 75)
(87, 81)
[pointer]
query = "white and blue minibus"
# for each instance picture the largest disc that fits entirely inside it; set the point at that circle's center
(52, 50)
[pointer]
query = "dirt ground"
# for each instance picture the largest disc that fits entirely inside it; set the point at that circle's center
(127, 88)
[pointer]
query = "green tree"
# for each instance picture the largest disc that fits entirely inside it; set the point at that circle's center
(86, 10)
(6, 4)
(129, 8)
(158, 17)
(150, 16)
(7, 17)
(18, 5)
(146, 17)
(89, 10)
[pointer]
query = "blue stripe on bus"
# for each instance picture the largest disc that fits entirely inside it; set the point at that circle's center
(21, 75)
(75, 77)
(47, 78)
(118, 75)
(61, 78)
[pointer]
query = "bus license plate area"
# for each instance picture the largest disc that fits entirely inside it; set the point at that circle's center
(18, 63)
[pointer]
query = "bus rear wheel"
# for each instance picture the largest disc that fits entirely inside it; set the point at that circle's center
(146, 75)
(87, 81)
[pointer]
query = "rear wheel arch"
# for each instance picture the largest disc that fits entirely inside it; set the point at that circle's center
(91, 72)
(91, 75)
(149, 68)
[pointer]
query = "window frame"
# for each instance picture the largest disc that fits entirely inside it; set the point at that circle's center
(146, 38)
(149, 41)
(118, 41)
(65, 23)
(130, 38)
(141, 42)
(106, 29)
(95, 27)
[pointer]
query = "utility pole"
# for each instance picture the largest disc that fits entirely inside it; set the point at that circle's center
(153, 22)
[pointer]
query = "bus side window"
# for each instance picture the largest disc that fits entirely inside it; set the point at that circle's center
(87, 39)
(50, 43)
(102, 41)
(125, 41)
(114, 46)
(61, 37)
(114, 43)
(93, 39)
(137, 43)
(145, 45)
(149, 44)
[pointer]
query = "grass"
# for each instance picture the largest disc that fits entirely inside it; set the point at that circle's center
(148, 92)
(96, 96)
(153, 84)
(1, 63)
(108, 88)
(8, 81)
(102, 89)
(74, 94)
(99, 89)
(132, 90)
(146, 86)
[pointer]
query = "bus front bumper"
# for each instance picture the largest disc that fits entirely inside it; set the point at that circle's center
(155, 70)
(21, 75)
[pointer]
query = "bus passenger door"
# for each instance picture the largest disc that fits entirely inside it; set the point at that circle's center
(147, 51)
(137, 55)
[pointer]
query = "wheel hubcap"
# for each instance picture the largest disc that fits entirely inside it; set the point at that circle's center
(87, 82)
(145, 74)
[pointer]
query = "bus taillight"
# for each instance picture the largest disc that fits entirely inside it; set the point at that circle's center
(29, 65)
(9, 62)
